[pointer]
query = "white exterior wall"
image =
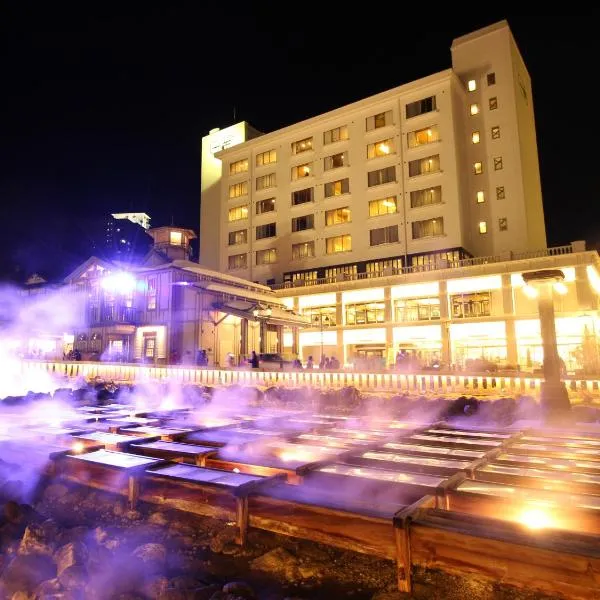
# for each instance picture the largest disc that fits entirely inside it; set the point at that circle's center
(473, 56)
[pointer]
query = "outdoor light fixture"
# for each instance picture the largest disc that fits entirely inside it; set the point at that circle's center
(119, 283)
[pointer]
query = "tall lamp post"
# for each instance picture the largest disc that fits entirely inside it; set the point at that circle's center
(554, 396)
(322, 319)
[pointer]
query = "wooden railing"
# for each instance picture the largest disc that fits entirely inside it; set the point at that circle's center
(389, 381)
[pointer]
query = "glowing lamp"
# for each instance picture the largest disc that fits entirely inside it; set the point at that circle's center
(530, 291)
(236, 470)
(77, 447)
(120, 283)
(535, 518)
(560, 288)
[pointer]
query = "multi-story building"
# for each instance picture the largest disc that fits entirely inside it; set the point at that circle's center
(439, 169)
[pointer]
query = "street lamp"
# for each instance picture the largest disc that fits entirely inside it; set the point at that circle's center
(554, 396)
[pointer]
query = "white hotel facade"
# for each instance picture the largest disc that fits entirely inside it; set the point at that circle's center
(403, 221)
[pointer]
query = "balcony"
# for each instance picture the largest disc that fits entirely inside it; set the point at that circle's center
(109, 315)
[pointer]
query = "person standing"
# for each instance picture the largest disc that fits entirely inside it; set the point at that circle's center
(254, 363)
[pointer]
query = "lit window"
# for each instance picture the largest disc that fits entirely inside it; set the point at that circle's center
(238, 213)
(472, 85)
(500, 194)
(475, 137)
(498, 163)
(238, 189)
(175, 238)
(337, 188)
(337, 216)
(493, 103)
(491, 78)
(482, 227)
(340, 243)
(422, 166)
(240, 166)
(420, 137)
(381, 148)
(302, 146)
(266, 158)
(384, 206)
(480, 197)
(503, 223)
(301, 171)
(238, 237)
(477, 168)
(495, 132)
(474, 109)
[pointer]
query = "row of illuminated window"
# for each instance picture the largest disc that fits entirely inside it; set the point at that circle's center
(462, 306)
(381, 206)
(337, 134)
(420, 137)
(335, 244)
(490, 78)
(421, 166)
(502, 225)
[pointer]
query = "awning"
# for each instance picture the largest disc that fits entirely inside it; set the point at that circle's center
(272, 315)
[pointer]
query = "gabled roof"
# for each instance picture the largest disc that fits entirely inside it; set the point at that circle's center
(83, 267)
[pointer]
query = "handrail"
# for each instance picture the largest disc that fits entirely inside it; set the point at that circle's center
(444, 264)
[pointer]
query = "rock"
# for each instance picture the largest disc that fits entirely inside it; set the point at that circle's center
(119, 509)
(55, 491)
(20, 596)
(239, 588)
(222, 537)
(158, 518)
(47, 588)
(12, 512)
(39, 539)
(74, 577)
(205, 593)
(74, 534)
(26, 572)
(152, 557)
(153, 587)
(184, 582)
(174, 594)
(73, 553)
(133, 515)
(279, 562)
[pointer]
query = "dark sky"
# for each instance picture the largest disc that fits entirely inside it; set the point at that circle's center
(103, 108)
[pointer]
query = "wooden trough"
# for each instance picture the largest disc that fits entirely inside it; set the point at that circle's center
(174, 451)
(116, 472)
(553, 562)
(204, 491)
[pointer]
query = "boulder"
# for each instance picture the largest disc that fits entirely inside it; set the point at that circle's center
(55, 491)
(278, 562)
(26, 572)
(154, 586)
(73, 553)
(39, 538)
(74, 577)
(151, 557)
(240, 589)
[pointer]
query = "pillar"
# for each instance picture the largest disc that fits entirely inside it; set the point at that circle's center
(388, 319)
(279, 330)
(295, 341)
(339, 321)
(446, 357)
(244, 337)
(263, 336)
(508, 309)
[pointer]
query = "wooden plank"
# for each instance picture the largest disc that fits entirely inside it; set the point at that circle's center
(241, 506)
(349, 531)
(522, 566)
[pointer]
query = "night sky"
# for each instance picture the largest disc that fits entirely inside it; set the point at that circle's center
(103, 109)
